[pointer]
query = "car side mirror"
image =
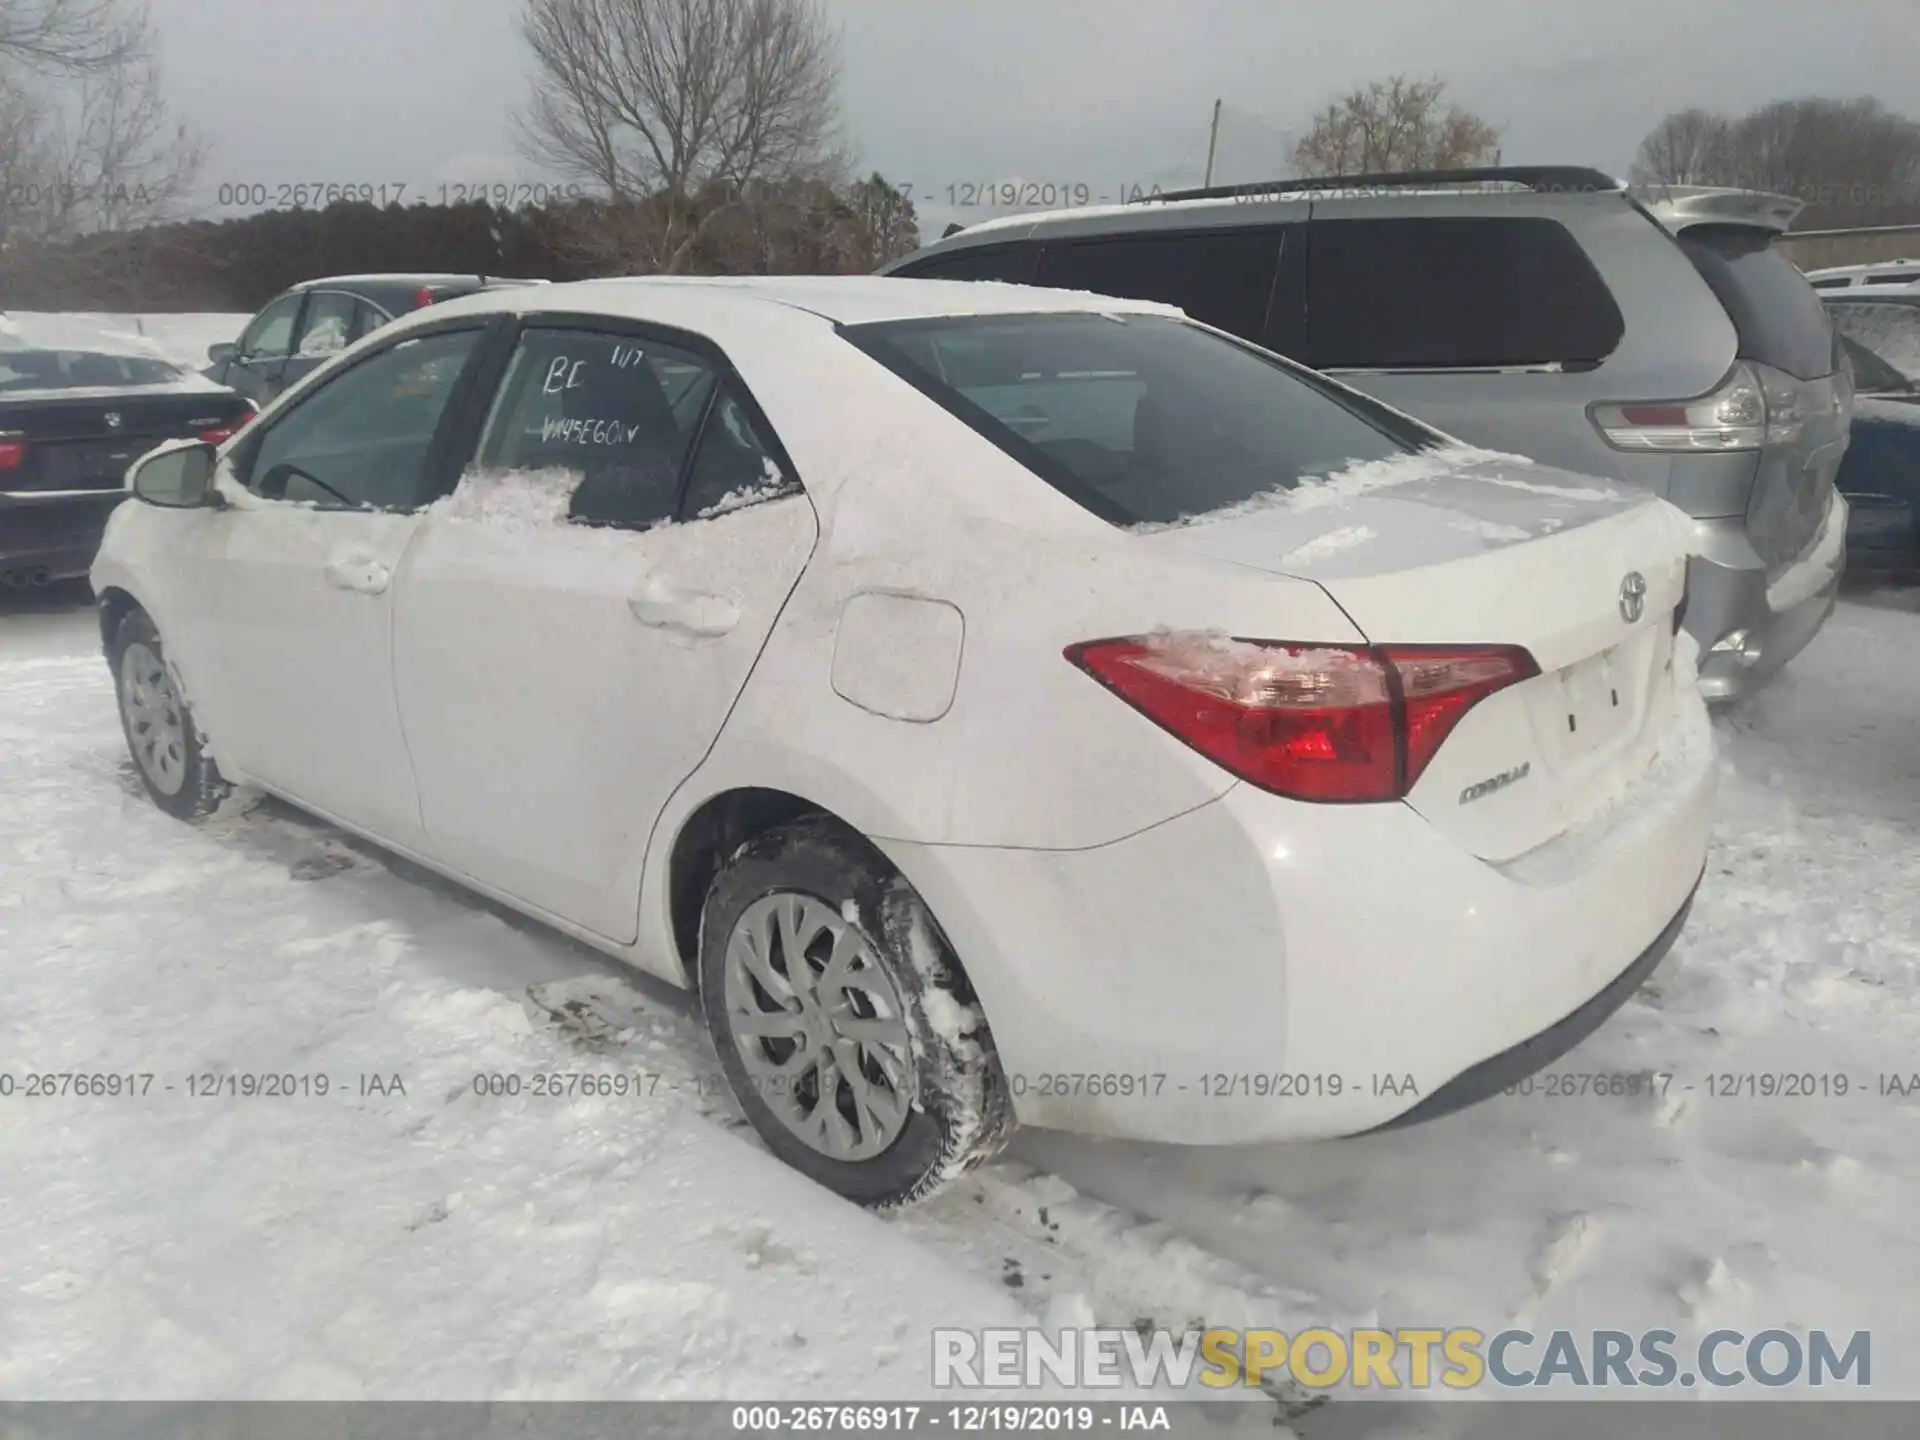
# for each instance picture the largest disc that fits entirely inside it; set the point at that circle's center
(223, 352)
(177, 475)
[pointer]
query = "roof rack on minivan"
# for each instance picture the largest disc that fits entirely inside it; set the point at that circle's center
(1580, 178)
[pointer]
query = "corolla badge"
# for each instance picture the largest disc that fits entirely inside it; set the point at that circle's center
(1496, 782)
(1633, 596)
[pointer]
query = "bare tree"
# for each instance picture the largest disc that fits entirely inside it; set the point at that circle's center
(116, 161)
(1853, 162)
(87, 147)
(1688, 147)
(674, 109)
(1391, 125)
(71, 36)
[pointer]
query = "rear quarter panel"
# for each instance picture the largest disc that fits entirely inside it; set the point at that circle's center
(1031, 752)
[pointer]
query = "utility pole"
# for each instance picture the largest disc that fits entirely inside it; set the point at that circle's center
(1213, 139)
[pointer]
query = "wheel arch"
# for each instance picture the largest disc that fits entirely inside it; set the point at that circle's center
(716, 829)
(115, 604)
(712, 832)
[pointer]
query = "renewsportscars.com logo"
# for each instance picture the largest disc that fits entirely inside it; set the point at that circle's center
(1404, 1359)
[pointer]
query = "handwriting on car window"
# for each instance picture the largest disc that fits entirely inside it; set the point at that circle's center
(563, 372)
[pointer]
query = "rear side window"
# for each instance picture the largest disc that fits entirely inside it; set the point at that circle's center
(1896, 277)
(1223, 279)
(366, 319)
(603, 407)
(1775, 312)
(328, 325)
(1455, 293)
(736, 463)
(1011, 263)
(1840, 284)
(1142, 419)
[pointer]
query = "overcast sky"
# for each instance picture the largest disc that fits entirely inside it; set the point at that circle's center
(1105, 93)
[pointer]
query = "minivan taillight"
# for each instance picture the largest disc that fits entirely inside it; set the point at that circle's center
(422, 298)
(1754, 405)
(1337, 723)
(12, 452)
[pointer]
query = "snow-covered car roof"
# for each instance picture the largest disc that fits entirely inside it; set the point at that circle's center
(847, 299)
(88, 334)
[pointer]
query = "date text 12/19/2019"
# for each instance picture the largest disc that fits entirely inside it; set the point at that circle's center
(968, 1419)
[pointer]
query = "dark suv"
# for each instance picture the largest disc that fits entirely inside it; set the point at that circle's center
(308, 325)
(1657, 338)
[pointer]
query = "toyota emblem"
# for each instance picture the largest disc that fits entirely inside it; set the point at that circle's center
(113, 419)
(1633, 596)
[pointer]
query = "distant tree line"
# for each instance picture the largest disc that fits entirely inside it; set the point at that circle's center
(790, 226)
(1853, 162)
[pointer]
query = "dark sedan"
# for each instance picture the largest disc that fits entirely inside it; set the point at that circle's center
(300, 330)
(1880, 474)
(71, 422)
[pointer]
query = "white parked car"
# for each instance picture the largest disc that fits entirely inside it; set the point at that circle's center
(1002, 704)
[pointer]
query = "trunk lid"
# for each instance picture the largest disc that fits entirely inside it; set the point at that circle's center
(86, 441)
(1459, 547)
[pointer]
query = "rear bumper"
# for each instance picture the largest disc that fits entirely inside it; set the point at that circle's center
(1536, 1052)
(1260, 970)
(51, 539)
(1750, 626)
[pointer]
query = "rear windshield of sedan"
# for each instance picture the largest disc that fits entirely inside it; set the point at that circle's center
(1141, 419)
(79, 370)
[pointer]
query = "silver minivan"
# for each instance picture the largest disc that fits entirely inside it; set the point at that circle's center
(1654, 336)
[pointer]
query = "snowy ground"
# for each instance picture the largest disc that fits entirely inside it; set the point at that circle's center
(442, 1244)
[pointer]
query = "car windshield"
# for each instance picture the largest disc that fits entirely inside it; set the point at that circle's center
(1141, 419)
(80, 370)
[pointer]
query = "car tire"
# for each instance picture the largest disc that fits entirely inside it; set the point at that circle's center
(169, 752)
(937, 1098)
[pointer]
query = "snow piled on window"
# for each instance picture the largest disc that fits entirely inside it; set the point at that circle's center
(1320, 491)
(771, 483)
(510, 499)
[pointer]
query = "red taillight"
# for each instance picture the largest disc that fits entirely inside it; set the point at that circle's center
(220, 434)
(1311, 722)
(12, 453)
(1753, 406)
(422, 298)
(1439, 684)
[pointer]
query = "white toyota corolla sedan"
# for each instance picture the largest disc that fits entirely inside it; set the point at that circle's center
(1000, 704)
